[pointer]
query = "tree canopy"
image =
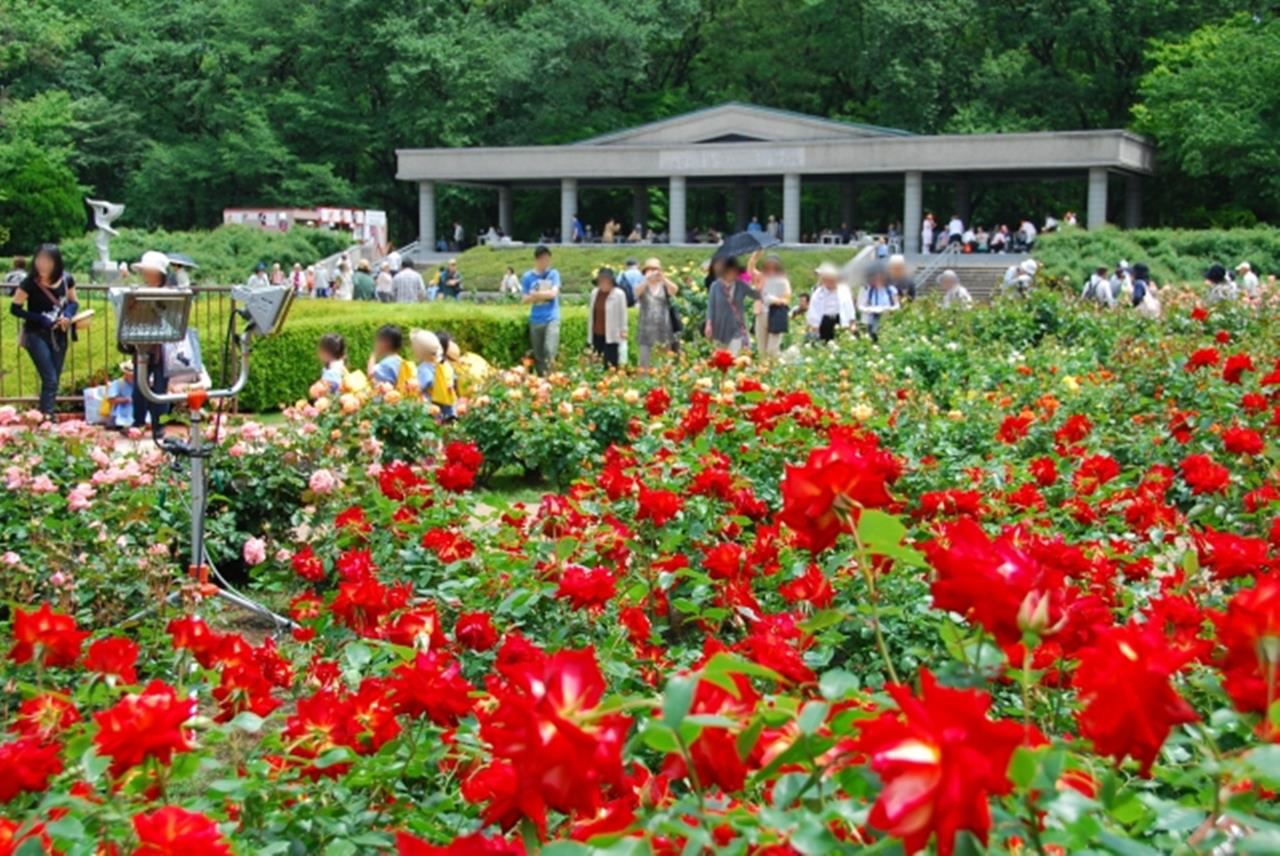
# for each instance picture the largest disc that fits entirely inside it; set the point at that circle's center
(180, 109)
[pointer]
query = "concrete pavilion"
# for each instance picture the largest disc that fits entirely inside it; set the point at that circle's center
(740, 145)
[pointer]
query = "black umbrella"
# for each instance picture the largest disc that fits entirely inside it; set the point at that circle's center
(744, 244)
(182, 260)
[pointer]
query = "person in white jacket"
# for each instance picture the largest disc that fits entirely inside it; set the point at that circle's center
(954, 295)
(831, 304)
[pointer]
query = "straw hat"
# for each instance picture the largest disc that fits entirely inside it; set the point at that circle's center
(651, 263)
(363, 265)
(1244, 266)
(152, 260)
(827, 269)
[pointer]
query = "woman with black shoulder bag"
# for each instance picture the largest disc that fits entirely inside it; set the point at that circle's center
(46, 302)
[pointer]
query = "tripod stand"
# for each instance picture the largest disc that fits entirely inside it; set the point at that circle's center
(197, 452)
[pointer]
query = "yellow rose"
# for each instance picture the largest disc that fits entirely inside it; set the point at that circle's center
(631, 396)
(350, 403)
(862, 412)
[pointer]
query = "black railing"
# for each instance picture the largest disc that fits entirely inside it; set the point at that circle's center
(92, 359)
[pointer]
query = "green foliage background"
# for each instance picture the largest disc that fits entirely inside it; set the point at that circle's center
(180, 109)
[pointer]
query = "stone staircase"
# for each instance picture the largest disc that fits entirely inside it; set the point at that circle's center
(981, 275)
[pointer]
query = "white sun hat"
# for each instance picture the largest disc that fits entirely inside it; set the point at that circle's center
(1244, 266)
(152, 260)
(1029, 267)
(827, 269)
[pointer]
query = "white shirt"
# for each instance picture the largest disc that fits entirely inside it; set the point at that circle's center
(926, 228)
(825, 301)
(393, 259)
(955, 227)
(1249, 282)
(957, 297)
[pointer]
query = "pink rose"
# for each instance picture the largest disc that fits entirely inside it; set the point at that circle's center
(323, 482)
(43, 484)
(255, 551)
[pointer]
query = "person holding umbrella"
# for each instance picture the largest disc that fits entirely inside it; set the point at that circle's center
(726, 322)
(181, 266)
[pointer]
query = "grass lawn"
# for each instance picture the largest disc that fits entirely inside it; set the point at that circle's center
(483, 268)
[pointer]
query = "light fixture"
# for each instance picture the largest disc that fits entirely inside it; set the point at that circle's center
(264, 308)
(150, 316)
(158, 316)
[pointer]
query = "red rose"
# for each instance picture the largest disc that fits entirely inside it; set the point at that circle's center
(52, 636)
(115, 656)
(144, 725)
(1236, 366)
(1129, 704)
(1239, 440)
(822, 498)
(1202, 358)
(174, 831)
(1250, 632)
(657, 401)
(658, 506)
(28, 764)
(474, 630)
(939, 757)
(1203, 475)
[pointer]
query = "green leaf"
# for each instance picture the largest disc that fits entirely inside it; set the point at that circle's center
(836, 684)
(811, 717)
(65, 829)
(677, 699)
(247, 721)
(1022, 767)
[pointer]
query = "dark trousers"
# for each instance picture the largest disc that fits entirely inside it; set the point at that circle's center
(141, 407)
(607, 350)
(827, 327)
(48, 350)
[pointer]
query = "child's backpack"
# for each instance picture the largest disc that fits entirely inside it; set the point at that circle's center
(407, 380)
(444, 389)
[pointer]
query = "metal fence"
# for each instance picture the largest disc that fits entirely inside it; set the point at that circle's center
(93, 357)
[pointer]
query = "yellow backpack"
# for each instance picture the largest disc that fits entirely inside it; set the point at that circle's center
(443, 389)
(407, 380)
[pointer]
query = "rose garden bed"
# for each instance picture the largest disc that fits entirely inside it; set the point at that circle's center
(1008, 579)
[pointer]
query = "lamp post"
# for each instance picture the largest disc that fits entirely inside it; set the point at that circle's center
(152, 317)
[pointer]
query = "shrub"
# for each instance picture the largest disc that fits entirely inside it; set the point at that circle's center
(226, 255)
(1179, 255)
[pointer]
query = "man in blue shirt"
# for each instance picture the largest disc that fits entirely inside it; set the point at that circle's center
(541, 287)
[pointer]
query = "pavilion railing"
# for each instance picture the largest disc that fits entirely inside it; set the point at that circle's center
(92, 359)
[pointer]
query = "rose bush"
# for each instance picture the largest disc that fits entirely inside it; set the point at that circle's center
(1011, 579)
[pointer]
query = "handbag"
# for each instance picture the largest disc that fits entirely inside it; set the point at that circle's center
(779, 320)
(677, 326)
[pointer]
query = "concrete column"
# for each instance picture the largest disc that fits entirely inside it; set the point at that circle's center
(848, 193)
(1096, 216)
(639, 205)
(1133, 202)
(676, 201)
(741, 205)
(912, 210)
(964, 205)
(568, 208)
(427, 216)
(791, 208)
(504, 209)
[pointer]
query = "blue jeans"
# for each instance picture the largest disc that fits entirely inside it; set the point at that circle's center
(48, 350)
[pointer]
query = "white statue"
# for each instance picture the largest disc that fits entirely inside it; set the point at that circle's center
(103, 213)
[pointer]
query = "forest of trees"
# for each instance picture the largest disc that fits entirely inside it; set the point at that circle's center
(180, 108)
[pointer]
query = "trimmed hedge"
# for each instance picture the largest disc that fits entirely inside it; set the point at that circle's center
(284, 366)
(1174, 255)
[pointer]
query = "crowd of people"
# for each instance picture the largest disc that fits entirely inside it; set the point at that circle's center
(971, 238)
(396, 280)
